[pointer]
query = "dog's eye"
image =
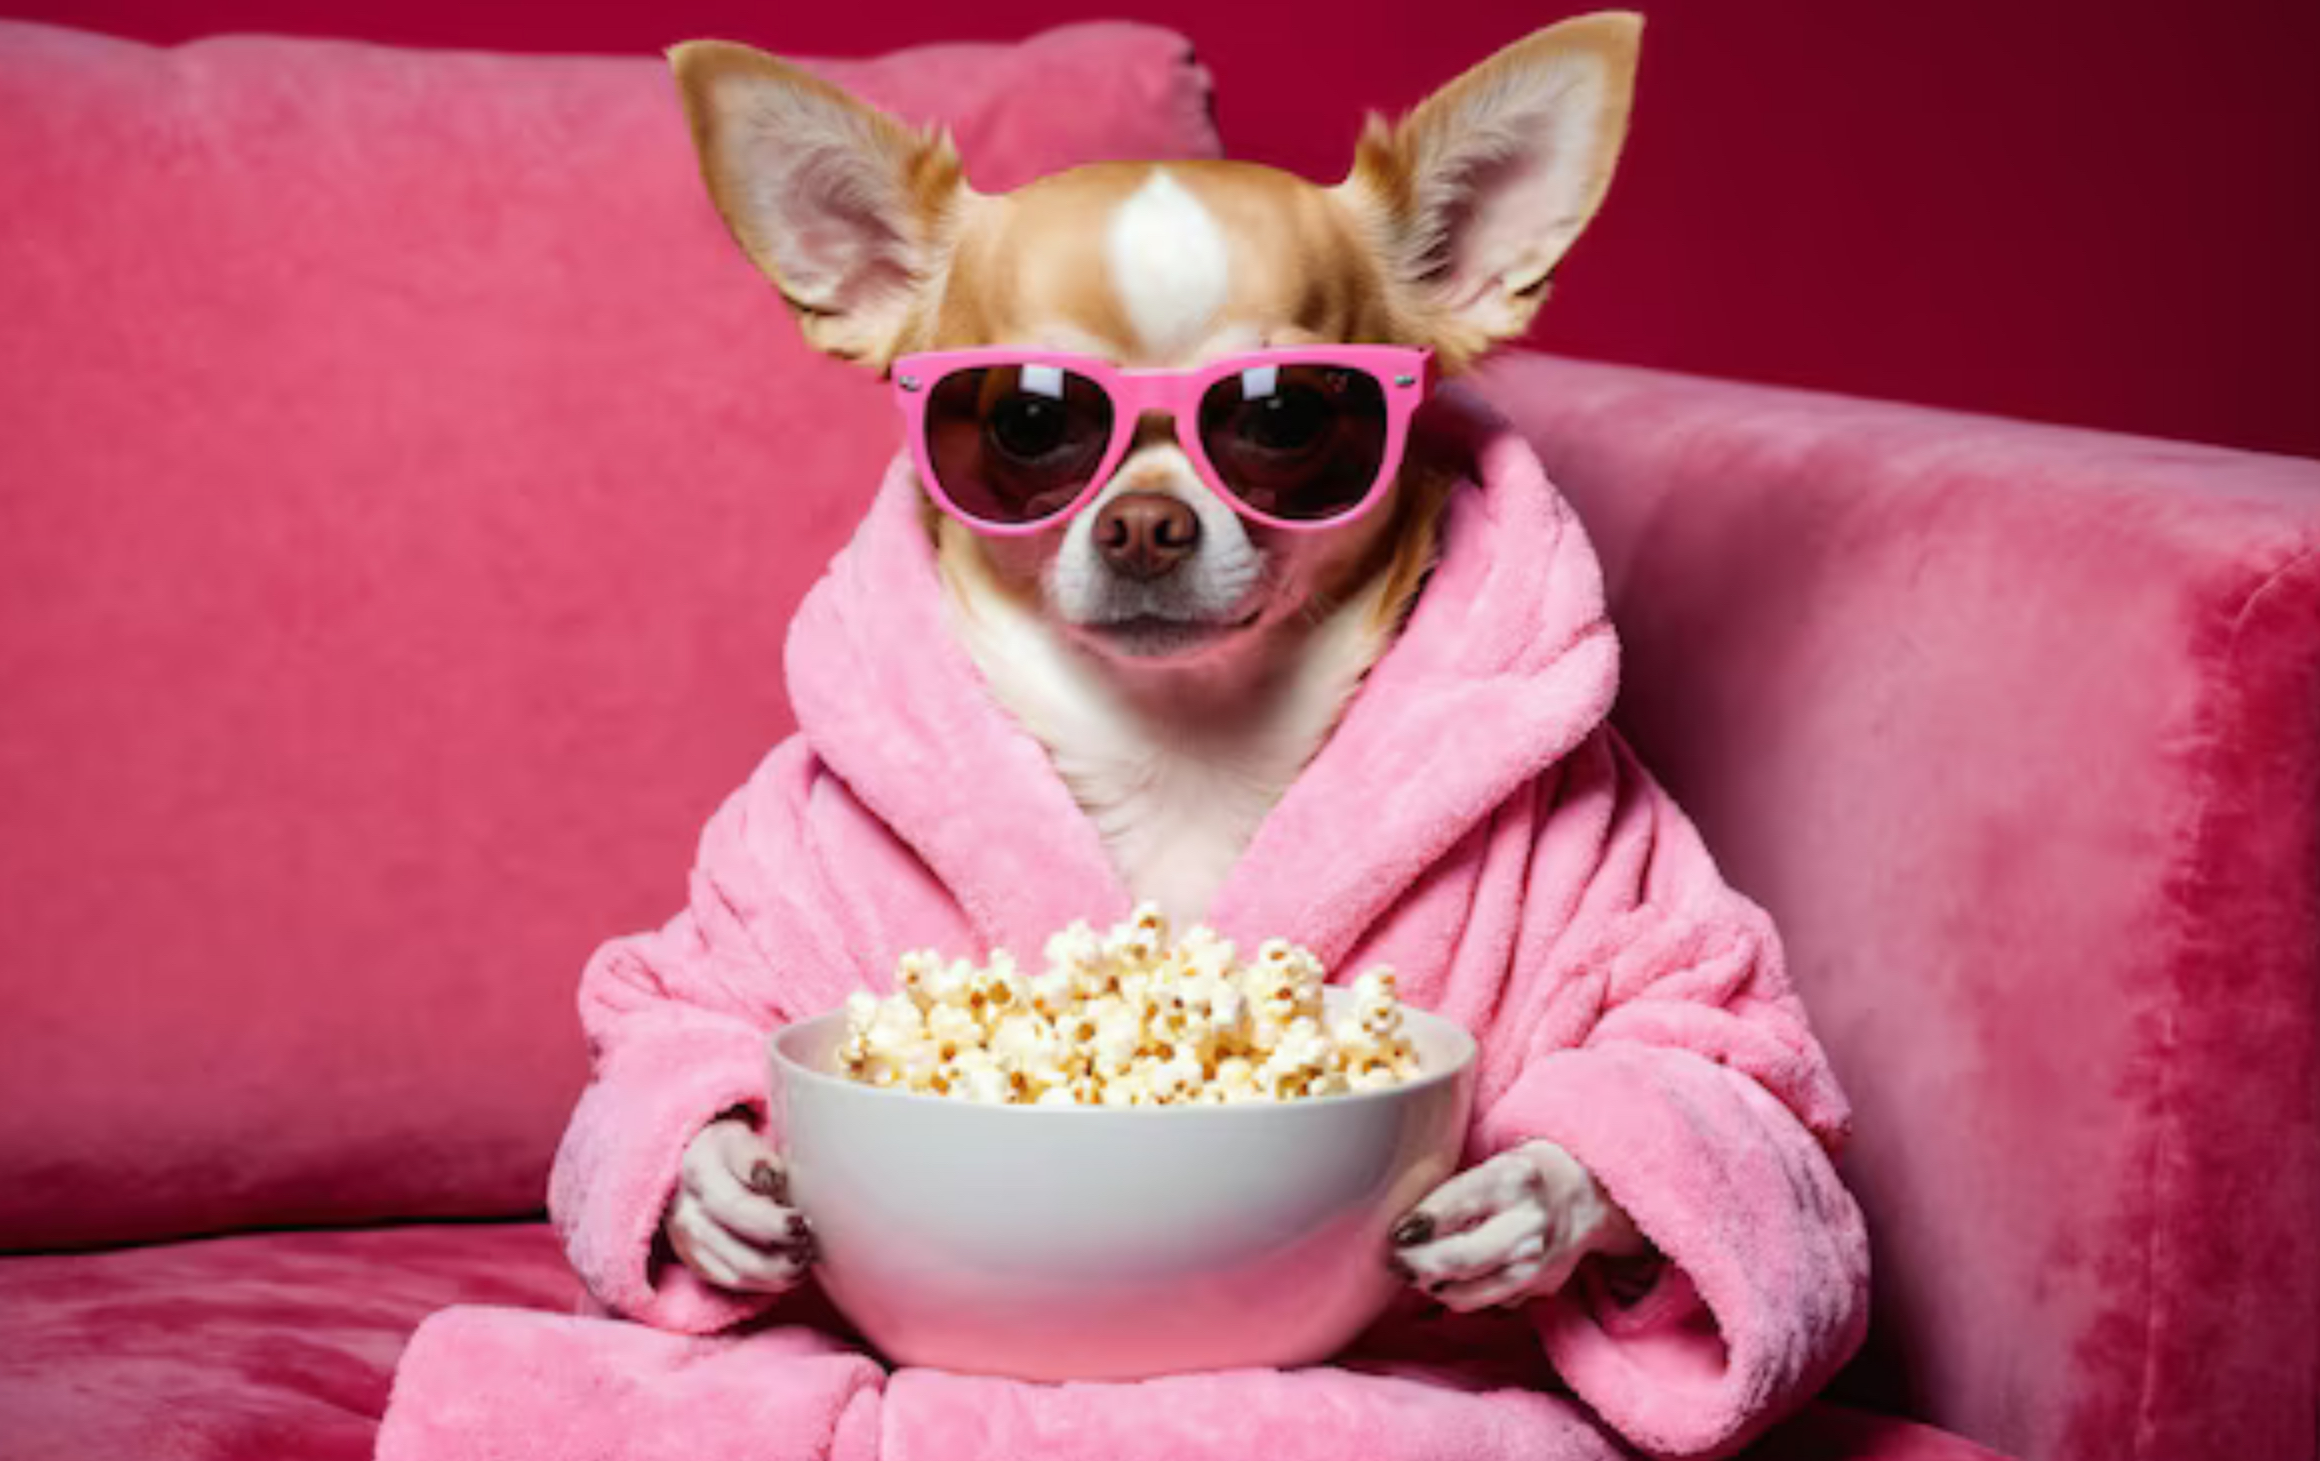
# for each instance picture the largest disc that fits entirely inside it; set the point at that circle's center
(1028, 427)
(1291, 420)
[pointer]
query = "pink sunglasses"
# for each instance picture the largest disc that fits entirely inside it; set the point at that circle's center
(1012, 441)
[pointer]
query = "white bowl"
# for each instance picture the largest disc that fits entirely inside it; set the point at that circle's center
(1070, 1242)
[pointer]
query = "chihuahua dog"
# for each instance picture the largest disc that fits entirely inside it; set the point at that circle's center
(1159, 412)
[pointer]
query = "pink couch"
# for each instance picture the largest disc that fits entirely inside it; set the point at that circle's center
(406, 486)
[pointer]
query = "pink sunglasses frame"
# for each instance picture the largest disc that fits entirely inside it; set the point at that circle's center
(1404, 374)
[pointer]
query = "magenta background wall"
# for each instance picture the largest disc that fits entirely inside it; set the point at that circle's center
(2101, 213)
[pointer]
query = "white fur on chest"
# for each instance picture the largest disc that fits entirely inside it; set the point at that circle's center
(1175, 803)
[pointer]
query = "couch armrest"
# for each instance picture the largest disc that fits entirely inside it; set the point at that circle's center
(2016, 730)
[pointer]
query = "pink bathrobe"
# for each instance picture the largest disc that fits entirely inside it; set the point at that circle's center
(1472, 822)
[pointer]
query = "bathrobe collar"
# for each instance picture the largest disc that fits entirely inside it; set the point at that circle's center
(1506, 663)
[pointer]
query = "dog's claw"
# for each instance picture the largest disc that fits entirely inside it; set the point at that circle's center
(770, 1180)
(1413, 1230)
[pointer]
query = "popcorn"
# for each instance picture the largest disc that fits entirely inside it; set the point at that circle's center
(953, 1029)
(951, 984)
(915, 973)
(1052, 993)
(1073, 948)
(1026, 1040)
(1126, 1018)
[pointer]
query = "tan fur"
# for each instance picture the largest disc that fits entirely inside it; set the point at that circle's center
(716, 81)
(1415, 537)
(1404, 175)
(1443, 235)
(1027, 267)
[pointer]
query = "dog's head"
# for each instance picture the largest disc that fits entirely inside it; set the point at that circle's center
(1443, 237)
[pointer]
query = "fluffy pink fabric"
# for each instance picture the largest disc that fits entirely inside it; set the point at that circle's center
(520, 1386)
(1471, 822)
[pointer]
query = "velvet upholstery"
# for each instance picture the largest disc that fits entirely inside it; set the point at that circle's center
(392, 582)
(2015, 730)
(271, 1346)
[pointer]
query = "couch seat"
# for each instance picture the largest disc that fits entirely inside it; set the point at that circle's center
(281, 1346)
(274, 1346)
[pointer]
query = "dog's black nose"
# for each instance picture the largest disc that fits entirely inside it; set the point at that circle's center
(1143, 535)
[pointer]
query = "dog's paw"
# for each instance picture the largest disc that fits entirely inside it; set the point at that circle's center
(731, 1222)
(1511, 1229)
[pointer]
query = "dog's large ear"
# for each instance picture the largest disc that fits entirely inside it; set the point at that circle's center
(842, 207)
(1477, 193)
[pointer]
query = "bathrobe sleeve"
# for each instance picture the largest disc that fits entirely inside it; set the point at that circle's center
(676, 1022)
(1663, 1048)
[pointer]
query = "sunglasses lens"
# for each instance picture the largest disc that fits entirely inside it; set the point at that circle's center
(1015, 444)
(1302, 442)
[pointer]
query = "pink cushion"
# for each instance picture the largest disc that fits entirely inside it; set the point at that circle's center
(406, 484)
(2016, 730)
